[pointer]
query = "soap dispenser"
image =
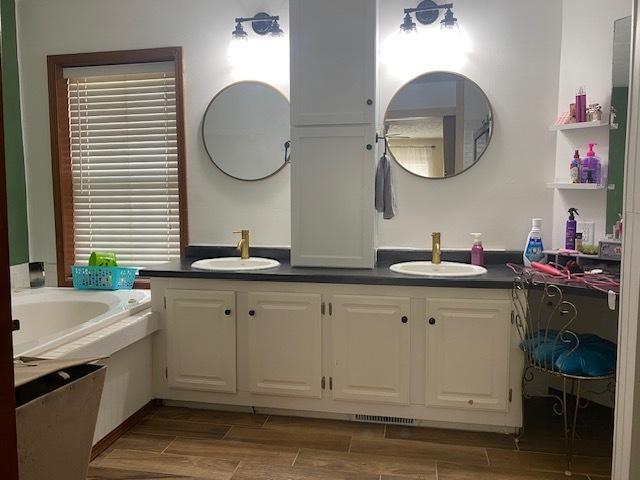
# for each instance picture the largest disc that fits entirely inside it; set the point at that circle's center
(477, 251)
(591, 167)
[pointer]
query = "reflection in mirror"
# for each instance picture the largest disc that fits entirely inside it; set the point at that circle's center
(246, 130)
(618, 132)
(438, 125)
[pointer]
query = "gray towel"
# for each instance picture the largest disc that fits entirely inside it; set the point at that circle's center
(385, 191)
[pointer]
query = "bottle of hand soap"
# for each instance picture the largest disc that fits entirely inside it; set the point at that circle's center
(477, 252)
(591, 167)
(533, 249)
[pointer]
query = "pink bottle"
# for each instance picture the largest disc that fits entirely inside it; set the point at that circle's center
(477, 252)
(581, 105)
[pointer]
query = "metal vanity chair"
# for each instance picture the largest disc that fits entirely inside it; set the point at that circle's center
(543, 319)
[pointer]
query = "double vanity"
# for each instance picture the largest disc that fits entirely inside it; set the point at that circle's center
(340, 342)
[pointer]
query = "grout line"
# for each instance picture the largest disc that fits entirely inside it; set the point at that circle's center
(296, 458)
(168, 445)
(235, 469)
(486, 452)
(227, 432)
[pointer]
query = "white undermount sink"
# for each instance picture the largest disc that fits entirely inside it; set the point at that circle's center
(235, 264)
(444, 269)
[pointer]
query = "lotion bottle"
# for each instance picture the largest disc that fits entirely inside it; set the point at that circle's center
(574, 168)
(477, 251)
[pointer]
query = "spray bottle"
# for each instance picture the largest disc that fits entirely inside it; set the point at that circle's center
(572, 228)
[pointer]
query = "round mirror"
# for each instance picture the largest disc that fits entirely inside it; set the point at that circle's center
(438, 125)
(246, 130)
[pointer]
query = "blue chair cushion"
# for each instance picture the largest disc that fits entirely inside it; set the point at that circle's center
(593, 357)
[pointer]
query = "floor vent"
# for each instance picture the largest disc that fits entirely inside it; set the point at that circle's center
(381, 419)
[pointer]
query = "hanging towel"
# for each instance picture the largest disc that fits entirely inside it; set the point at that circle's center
(385, 191)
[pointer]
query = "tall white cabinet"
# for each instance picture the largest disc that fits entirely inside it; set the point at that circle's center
(333, 151)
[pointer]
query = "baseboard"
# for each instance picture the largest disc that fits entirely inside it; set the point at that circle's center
(123, 428)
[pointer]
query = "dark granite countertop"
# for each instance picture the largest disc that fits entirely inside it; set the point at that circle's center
(498, 275)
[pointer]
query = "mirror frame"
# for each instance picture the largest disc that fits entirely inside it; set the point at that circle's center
(491, 113)
(286, 158)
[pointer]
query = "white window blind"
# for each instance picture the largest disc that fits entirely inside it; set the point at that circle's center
(122, 124)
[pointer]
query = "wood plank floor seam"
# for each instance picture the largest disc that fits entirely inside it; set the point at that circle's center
(296, 457)
(168, 445)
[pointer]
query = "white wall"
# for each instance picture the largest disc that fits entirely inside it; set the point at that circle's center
(587, 56)
(514, 56)
(217, 204)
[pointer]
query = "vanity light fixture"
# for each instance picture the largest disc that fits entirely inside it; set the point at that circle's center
(427, 12)
(262, 23)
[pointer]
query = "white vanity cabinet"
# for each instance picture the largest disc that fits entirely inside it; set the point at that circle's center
(201, 340)
(370, 339)
(340, 349)
(468, 348)
(333, 62)
(285, 343)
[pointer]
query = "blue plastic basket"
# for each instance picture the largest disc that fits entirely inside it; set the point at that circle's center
(103, 278)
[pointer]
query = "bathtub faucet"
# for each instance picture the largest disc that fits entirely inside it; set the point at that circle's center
(36, 274)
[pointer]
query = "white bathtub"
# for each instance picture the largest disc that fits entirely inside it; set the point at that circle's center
(114, 326)
(52, 317)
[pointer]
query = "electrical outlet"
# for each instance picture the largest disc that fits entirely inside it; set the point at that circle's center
(588, 230)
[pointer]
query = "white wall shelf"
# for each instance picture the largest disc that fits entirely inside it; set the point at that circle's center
(564, 185)
(578, 126)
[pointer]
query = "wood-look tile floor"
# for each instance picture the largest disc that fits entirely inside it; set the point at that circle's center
(179, 443)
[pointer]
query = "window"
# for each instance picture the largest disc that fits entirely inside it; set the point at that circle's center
(118, 157)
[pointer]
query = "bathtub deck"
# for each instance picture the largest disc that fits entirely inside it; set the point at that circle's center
(178, 443)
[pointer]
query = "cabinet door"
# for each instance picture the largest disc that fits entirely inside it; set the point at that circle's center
(201, 340)
(468, 344)
(332, 197)
(285, 344)
(333, 61)
(371, 348)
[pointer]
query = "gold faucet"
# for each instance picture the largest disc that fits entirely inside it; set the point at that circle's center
(435, 248)
(243, 244)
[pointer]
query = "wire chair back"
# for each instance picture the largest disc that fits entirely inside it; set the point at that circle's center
(543, 319)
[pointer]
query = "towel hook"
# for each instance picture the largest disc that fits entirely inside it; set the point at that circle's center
(385, 140)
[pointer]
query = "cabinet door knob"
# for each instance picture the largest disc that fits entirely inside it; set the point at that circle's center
(227, 312)
(470, 402)
(252, 312)
(369, 101)
(405, 319)
(369, 146)
(432, 321)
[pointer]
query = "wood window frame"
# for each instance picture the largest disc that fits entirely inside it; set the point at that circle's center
(61, 145)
